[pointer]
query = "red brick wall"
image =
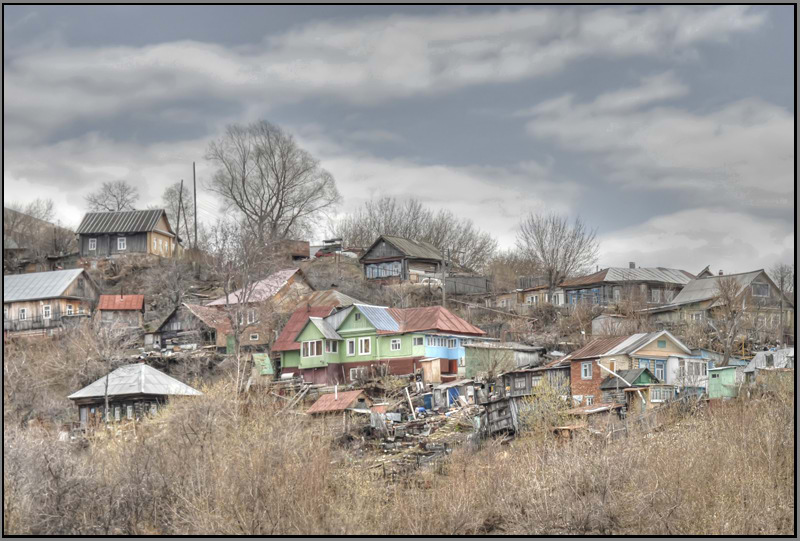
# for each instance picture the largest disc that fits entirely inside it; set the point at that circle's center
(586, 386)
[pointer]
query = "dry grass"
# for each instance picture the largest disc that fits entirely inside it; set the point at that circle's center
(213, 466)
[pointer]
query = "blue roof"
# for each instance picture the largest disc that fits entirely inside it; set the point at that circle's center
(379, 317)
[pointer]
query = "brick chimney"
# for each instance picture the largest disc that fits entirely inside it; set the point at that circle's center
(632, 265)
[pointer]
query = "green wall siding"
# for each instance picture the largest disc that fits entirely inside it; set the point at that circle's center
(724, 385)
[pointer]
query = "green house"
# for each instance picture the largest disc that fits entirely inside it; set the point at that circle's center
(722, 382)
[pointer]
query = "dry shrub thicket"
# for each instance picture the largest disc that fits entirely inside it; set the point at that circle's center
(217, 466)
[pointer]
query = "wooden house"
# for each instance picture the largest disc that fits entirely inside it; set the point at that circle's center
(126, 310)
(392, 258)
(192, 324)
(43, 302)
(133, 390)
(106, 234)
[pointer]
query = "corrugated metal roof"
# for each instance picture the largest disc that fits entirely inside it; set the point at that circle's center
(121, 302)
(325, 328)
(336, 318)
(612, 382)
(781, 358)
(136, 378)
(379, 317)
(639, 274)
(597, 347)
(433, 318)
(328, 403)
(330, 297)
(296, 323)
(411, 248)
(261, 291)
(703, 289)
(37, 285)
(213, 317)
(128, 221)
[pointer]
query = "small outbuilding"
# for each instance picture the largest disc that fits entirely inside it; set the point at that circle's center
(126, 310)
(722, 382)
(133, 390)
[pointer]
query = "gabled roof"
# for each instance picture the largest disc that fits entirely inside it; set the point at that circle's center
(329, 403)
(638, 274)
(136, 378)
(433, 318)
(410, 248)
(121, 302)
(325, 328)
(126, 221)
(781, 358)
(622, 345)
(296, 323)
(38, 285)
(379, 317)
(612, 382)
(704, 289)
(329, 297)
(260, 291)
(212, 317)
(597, 347)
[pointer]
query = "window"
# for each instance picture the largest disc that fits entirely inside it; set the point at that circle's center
(92, 244)
(612, 365)
(312, 348)
(668, 295)
(660, 370)
(503, 302)
(536, 380)
(417, 340)
(122, 243)
(547, 297)
(714, 376)
(395, 345)
(662, 344)
(616, 293)
(153, 408)
(46, 311)
(358, 316)
(154, 244)
(520, 383)
(251, 316)
(589, 400)
(351, 347)
(451, 343)
(241, 319)
(586, 370)
(697, 316)
(129, 412)
(23, 314)
(80, 309)
(117, 413)
(253, 337)
(364, 346)
(358, 372)
(760, 290)
(644, 363)
(655, 295)
(331, 346)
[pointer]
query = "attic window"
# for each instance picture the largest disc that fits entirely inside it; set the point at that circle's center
(662, 343)
(358, 316)
(760, 290)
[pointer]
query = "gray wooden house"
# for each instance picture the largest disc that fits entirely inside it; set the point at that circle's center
(104, 234)
(397, 258)
(134, 390)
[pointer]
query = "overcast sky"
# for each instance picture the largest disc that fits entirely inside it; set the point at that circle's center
(669, 129)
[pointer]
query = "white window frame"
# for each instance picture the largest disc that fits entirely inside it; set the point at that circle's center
(586, 370)
(154, 244)
(365, 340)
(253, 336)
(122, 244)
(589, 400)
(357, 371)
(753, 291)
(129, 412)
(251, 316)
(419, 341)
(662, 369)
(351, 346)
(451, 341)
(46, 311)
(153, 408)
(331, 346)
(655, 296)
(80, 309)
(117, 413)
(92, 245)
(395, 344)
(22, 314)
(308, 345)
(357, 317)
(70, 310)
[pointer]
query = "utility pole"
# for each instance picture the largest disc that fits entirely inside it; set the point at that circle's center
(194, 181)
(444, 280)
(780, 324)
(178, 225)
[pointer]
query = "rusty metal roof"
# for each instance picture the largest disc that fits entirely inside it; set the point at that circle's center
(121, 302)
(296, 323)
(433, 318)
(329, 403)
(213, 317)
(330, 297)
(127, 221)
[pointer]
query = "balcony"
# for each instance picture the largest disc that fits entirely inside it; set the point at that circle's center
(57, 321)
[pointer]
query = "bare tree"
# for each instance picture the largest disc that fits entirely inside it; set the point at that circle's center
(728, 314)
(506, 266)
(173, 203)
(469, 246)
(112, 197)
(783, 275)
(492, 361)
(562, 250)
(278, 188)
(29, 235)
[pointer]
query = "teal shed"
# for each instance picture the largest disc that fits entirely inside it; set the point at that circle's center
(722, 382)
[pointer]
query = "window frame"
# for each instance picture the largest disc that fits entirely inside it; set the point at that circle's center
(22, 314)
(760, 285)
(589, 399)
(251, 316)
(659, 344)
(154, 244)
(122, 244)
(421, 340)
(660, 366)
(395, 342)
(357, 316)
(351, 342)
(307, 346)
(117, 413)
(452, 341)
(129, 412)
(153, 408)
(332, 346)
(253, 336)
(92, 245)
(47, 312)
(365, 340)
(586, 370)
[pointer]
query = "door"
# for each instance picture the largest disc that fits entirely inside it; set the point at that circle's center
(84, 416)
